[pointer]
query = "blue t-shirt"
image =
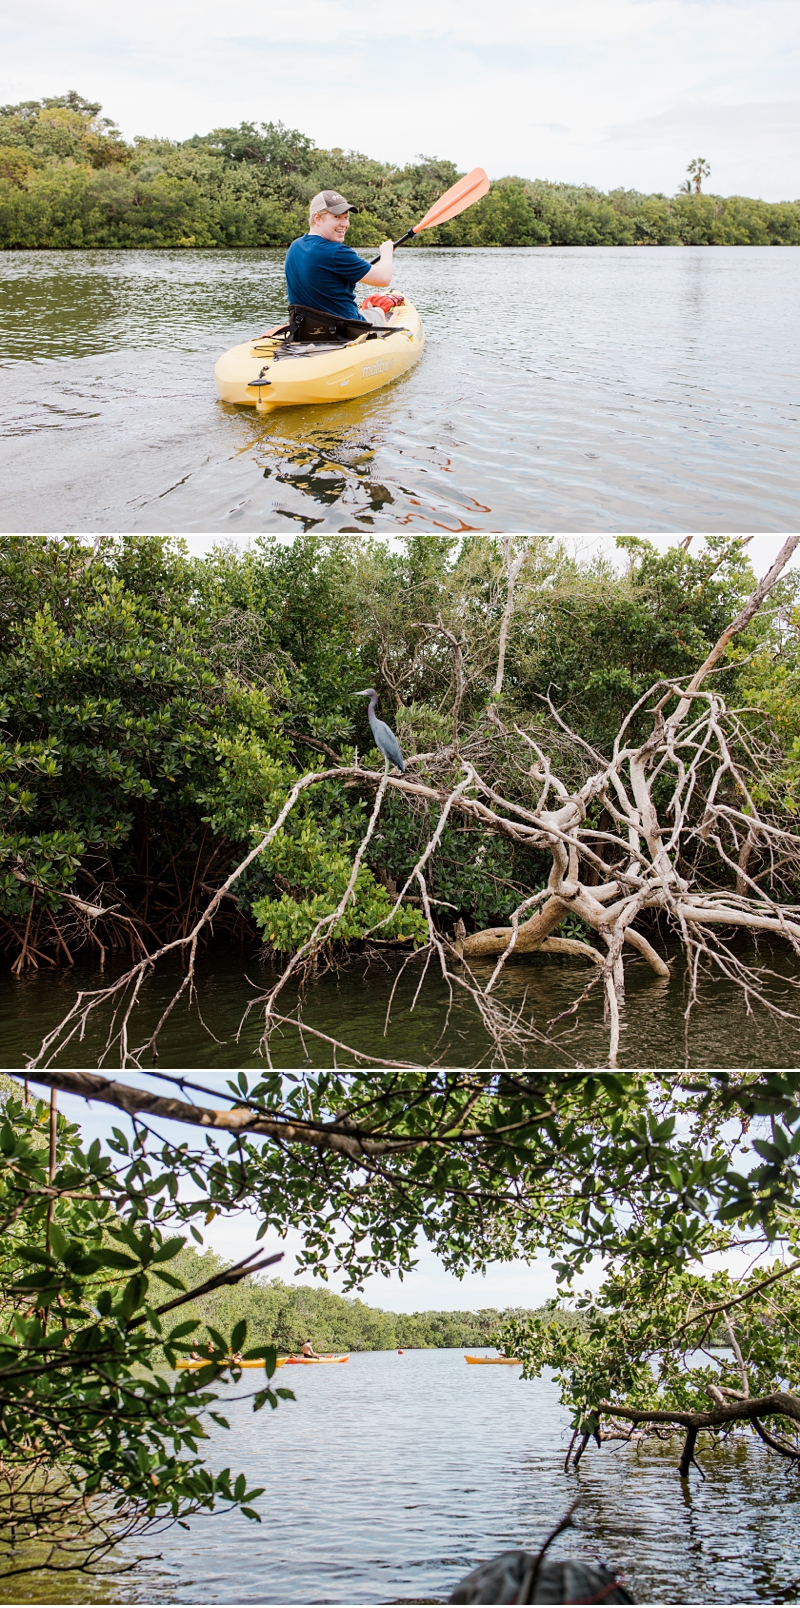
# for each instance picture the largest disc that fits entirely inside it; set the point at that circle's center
(322, 274)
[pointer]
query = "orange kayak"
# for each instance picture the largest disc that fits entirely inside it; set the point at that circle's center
(259, 1363)
(494, 1362)
(308, 1362)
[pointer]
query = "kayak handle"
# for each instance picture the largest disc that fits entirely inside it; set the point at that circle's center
(407, 236)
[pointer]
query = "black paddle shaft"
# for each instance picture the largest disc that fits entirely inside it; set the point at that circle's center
(406, 236)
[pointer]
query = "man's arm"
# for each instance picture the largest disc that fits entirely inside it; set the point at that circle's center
(381, 272)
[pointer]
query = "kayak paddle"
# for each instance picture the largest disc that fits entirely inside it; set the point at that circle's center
(455, 200)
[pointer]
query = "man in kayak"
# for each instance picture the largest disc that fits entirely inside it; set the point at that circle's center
(307, 1350)
(322, 272)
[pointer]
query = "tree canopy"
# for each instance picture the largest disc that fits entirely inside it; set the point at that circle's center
(285, 1315)
(68, 180)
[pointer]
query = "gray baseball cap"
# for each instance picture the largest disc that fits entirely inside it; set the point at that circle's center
(331, 201)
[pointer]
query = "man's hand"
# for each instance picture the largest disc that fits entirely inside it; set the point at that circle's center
(381, 272)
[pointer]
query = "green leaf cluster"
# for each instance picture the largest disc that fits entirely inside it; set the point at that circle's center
(97, 1442)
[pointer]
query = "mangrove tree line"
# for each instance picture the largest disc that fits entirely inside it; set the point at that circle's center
(69, 180)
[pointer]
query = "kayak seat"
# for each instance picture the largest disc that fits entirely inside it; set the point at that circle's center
(309, 333)
(311, 328)
(309, 325)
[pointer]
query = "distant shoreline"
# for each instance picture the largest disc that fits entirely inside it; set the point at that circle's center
(438, 246)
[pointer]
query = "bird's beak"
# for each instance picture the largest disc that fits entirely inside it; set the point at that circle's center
(364, 693)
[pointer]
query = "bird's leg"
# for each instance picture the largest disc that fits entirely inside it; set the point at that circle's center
(386, 766)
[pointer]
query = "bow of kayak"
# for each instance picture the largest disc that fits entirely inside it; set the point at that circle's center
(266, 374)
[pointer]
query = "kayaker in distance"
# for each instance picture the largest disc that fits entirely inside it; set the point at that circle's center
(322, 272)
(307, 1350)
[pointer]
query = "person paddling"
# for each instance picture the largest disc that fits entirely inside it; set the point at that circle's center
(307, 1350)
(322, 272)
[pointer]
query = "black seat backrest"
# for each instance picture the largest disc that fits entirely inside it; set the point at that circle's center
(307, 324)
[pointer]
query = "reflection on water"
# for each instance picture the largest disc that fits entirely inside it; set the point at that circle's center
(567, 388)
(394, 1476)
(330, 472)
(350, 1005)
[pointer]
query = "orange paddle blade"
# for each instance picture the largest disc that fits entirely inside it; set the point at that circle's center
(462, 195)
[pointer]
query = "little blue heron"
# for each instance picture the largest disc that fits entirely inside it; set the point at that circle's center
(385, 738)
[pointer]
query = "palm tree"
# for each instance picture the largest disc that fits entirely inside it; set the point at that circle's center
(698, 170)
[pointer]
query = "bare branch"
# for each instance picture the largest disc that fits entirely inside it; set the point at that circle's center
(782, 1403)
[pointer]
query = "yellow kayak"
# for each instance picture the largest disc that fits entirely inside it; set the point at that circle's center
(189, 1362)
(494, 1362)
(266, 373)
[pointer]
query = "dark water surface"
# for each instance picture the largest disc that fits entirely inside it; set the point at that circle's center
(391, 1477)
(351, 1004)
(564, 389)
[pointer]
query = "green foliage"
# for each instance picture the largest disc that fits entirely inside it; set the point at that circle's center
(650, 1341)
(63, 128)
(598, 641)
(131, 756)
(489, 1165)
(107, 709)
(318, 878)
(87, 1270)
(68, 180)
(770, 684)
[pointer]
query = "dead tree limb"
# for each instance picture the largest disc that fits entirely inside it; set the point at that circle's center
(513, 569)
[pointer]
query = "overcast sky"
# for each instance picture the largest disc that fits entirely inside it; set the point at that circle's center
(607, 92)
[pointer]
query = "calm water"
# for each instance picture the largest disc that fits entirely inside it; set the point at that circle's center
(564, 389)
(392, 1477)
(351, 1006)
